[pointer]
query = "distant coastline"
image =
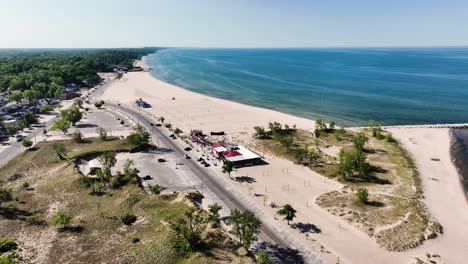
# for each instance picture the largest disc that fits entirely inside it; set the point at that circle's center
(348, 86)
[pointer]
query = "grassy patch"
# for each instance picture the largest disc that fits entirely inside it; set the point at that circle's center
(395, 215)
(96, 233)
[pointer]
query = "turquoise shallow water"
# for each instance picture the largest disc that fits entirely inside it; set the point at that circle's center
(350, 86)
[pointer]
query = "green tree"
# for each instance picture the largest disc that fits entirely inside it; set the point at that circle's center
(73, 115)
(46, 109)
(107, 160)
(263, 258)
(288, 212)
(300, 154)
(189, 231)
(359, 141)
(15, 96)
(30, 118)
(331, 126)
(27, 143)
(246, 226)
(61, 124)
(345, 165)
(139, 137)
(60, 150)
(228, 167)
(102, 133)
(214, 216)
(77, 137)
(11, 130)
(31, 95)
(7, 244)
(62, 219)
(362, 195)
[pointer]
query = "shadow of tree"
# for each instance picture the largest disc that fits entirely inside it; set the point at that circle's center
(280, 254)
(13, 213)
(71, 229)
(246, 179)
(306, 227)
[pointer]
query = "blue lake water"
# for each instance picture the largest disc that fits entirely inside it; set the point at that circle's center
(350, 86)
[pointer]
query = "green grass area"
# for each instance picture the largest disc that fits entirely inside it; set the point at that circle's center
(96, 233)
(395, 215)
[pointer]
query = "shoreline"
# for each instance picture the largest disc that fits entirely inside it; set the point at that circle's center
(187, 110)
(457, 157)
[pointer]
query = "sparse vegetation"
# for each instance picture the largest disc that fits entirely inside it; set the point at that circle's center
(362, 195)
(77, 137)
(362, 159)
(245, 226)
(27, 143)
(96, 218)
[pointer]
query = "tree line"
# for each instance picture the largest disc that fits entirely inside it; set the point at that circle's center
(42, 73)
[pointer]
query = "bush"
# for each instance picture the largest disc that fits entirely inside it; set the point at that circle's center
(362, 195)
(98, 104)
(27, 143)
(33, 219)
(263, 258)
(61, 219)
(26, 185)
(7, 244)
(122, 122)
(155, 189)
(128, 219)
(134, 239)
(77, 137)
(389, 138)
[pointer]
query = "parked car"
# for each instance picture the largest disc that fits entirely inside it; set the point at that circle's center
(147, 177)
(19, 138)
(187, 156)
(158, 125)
(207, 165)
(188, 149)
(161, 160)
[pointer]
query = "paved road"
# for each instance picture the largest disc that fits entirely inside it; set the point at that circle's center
(16, 148)
(230, 198)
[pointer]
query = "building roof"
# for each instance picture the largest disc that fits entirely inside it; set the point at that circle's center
(239, 153)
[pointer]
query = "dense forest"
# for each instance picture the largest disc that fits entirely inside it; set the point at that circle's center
(42, 73)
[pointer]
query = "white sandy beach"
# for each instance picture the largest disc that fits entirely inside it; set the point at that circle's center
(285, 182)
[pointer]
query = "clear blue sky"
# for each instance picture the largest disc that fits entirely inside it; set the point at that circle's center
(236, 23)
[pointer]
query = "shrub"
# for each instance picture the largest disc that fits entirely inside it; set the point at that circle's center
(7, 244)
(27, 143)
(134, 239)
(195, 196)
(33, 219)
(26, 185)
(102, 133)
(98, 104)
(122, 122)
(61, 219)
(263, 258)
(389, 138)
(128, 219)
(362, 195)
(77, 137)
(155, 189)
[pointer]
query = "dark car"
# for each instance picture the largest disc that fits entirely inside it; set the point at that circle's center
(187, 156)
(19, 138)
(147, 177)
(207, 165)
(151, 124)
(158, 125)
(188, 149)
(161, 160)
